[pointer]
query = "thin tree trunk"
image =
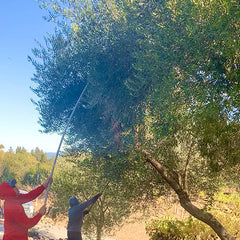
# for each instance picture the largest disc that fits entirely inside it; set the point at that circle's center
(99, 235)
(99, 225)
(185, 201)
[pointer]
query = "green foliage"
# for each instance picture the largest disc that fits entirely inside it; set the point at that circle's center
(83, 177)
(6, 175)
(171, 228)
(21, 150)
(18, 163)
(40, 155)
(99, 55)
(23, 166)
(163, 76)
(37, 175)
(225, 207)
(166, 56)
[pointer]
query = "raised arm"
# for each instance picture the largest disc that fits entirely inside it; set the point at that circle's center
(90, 201)
(27, 197)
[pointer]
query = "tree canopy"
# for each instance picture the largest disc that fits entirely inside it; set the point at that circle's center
(163, 86)
(127, 51)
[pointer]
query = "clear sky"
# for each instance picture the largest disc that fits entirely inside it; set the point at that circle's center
(21, 23)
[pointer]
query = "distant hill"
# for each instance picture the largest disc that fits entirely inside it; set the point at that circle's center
(50, 154)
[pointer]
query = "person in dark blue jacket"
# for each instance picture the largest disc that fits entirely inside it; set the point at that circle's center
(76, 213)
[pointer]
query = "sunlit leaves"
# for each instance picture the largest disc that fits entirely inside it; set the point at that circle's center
(169, 68)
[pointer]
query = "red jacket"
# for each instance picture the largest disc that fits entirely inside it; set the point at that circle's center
(16, 222)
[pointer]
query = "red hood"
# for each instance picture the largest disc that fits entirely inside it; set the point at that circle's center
(6, 191)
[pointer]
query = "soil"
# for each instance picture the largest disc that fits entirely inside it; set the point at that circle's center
(132, 229)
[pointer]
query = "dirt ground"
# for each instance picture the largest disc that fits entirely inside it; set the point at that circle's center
(132, 229)
(46, 227)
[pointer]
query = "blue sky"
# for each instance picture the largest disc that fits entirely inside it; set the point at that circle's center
(21, 23)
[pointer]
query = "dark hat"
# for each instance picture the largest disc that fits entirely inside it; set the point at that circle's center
(13, 183)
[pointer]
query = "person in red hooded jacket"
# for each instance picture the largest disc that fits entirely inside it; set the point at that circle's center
(16, 222)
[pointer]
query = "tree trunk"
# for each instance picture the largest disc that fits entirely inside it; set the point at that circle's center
(186, 203)
(99, 233)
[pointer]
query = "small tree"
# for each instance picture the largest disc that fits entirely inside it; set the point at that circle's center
(84, 179)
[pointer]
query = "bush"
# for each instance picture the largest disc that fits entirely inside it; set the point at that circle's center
(225, 208)
(170, 228)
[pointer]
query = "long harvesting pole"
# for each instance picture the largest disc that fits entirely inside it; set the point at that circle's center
(59, 147)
